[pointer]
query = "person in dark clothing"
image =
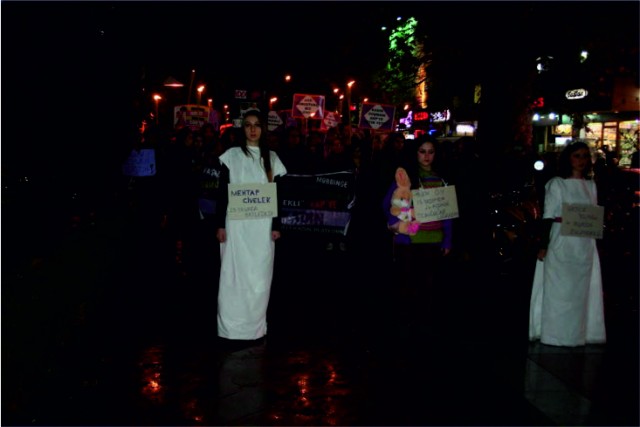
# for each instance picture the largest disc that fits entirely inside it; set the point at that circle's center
(181, 182)
(295, 155)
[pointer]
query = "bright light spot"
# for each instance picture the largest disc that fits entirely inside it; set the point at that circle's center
(399, 18)
(584, 55)
(462, 130)
(552, 116)
(536, 117)
(538, 165)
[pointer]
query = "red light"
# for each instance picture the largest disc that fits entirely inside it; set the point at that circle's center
(538, 102)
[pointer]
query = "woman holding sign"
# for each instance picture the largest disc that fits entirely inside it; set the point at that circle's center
(418, 247)
(567, 306)
(247, 245)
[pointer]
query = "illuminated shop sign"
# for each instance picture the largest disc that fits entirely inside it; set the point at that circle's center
(576, 93)
(422, 115)
(440, 116)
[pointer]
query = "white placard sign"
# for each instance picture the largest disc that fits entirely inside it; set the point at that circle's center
(252, 201)
(435, 204)
(582, 220)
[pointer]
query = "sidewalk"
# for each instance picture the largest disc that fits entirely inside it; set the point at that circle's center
(107, 331)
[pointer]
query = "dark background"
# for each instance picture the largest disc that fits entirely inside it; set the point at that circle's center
(78, 76)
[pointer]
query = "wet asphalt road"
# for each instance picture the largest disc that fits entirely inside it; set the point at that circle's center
(116, 326)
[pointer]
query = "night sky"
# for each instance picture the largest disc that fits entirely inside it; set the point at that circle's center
(73, 71)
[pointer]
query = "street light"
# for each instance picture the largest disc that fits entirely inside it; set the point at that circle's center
(349, 105)
(171, 82)
(200, 90)
(157, 99)
(193, 76)
(271, 102)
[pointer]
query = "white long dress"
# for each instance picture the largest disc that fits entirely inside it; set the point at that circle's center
(567, 307)
(247, 256)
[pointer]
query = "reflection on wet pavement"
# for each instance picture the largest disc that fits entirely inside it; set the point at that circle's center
(142, 349)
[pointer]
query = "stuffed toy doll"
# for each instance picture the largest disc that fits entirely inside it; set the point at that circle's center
(402, 205)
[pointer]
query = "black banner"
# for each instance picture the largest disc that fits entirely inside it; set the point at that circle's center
(320, 203)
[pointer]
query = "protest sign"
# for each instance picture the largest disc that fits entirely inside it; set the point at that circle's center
(252, 201)
(435, 204)
(320, 203)
(582, 220)
(140, 163)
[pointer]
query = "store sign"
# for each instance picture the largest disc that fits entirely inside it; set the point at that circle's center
(440, 116)
(421, 115)
(576, 93)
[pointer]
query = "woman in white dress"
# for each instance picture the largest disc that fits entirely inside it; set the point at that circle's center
(247, 246)
(567, 307)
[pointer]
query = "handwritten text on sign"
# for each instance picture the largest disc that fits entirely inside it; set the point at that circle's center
(435, 204)
(581, 220)
(252, 201)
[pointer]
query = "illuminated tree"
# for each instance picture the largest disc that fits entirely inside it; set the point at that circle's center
(405, 78)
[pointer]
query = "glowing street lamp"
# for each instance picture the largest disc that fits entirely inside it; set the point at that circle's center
(287, 78)
(171, 82)
(200, 90)
(157, 99)
(349, 105)
(271, 102)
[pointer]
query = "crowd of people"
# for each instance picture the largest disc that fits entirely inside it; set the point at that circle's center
(188, 198)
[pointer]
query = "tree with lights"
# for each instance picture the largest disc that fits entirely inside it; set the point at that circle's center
(405, 77)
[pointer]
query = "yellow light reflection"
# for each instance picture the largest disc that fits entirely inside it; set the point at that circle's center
(151, 363)
(192, 410)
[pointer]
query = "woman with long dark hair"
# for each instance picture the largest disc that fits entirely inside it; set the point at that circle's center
(567, 307)
(247, 246)
(418, 253)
